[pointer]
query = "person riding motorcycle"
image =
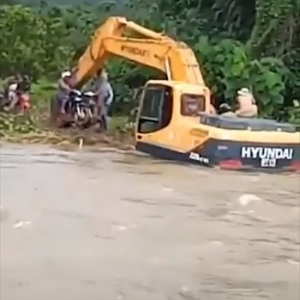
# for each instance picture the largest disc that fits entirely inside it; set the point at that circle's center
(64, 89)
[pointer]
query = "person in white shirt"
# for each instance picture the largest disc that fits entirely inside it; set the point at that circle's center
(246, 105)
(63, 90)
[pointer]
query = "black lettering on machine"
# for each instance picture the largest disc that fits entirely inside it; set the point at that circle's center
(267, 156)
(134, 50)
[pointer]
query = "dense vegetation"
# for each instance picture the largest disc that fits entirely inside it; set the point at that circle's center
(253, 43)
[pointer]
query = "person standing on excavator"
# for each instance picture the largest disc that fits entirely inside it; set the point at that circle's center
(247, 107)
(246, 103)
(105, 96)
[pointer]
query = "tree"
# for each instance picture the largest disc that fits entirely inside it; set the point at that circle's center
(244, 43)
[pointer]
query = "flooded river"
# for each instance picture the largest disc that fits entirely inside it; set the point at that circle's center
(109, 225)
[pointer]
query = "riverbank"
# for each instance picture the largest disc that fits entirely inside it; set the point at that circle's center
(19, 129)
(34, 127)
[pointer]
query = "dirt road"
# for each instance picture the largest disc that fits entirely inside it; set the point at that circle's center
(108, 225)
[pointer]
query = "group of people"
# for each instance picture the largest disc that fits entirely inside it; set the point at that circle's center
(101, 87)
(246, 106)
(18, 84)
(14, 86)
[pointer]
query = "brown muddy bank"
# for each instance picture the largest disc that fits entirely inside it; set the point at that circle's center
(72, 137)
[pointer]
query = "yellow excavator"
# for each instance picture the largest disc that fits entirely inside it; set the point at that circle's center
(175, 119)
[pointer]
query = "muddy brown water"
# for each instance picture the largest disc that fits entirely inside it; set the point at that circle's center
(108, 224)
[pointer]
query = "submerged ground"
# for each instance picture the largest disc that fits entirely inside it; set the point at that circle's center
(112, 225)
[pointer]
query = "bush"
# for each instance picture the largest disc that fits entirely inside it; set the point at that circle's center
(243, 46)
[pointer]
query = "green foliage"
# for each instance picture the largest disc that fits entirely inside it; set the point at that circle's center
(42, 90)
(36, 45)
(246, 43)
(16, 124)
(228, 67)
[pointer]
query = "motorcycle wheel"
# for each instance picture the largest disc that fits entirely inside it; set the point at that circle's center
(87, 122)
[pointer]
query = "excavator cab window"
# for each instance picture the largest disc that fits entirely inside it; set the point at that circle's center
(156, 108)
(137, 93)
(192, 105)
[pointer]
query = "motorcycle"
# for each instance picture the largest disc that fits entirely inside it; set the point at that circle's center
(80, 109)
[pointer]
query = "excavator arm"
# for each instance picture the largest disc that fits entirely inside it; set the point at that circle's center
(152, 49)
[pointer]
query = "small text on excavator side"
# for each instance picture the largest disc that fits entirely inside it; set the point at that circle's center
(135, 50)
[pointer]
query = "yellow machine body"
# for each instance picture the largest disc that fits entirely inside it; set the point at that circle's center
(175, 118)
(172, 126)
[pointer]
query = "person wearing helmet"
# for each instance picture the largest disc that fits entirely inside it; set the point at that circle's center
(247, 107)
(105, 96)
(246, 104)
(64, 89)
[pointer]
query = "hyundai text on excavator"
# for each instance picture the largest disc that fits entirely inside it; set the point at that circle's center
(175, 119)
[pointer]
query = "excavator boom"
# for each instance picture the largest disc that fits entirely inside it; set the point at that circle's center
(152, 49)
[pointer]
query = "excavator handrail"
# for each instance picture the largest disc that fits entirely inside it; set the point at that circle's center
(153, 49)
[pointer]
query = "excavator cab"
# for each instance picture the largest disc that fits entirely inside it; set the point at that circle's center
(167, 112)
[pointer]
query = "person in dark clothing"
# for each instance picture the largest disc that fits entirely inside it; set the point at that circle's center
(24, 85)
(8, 81)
